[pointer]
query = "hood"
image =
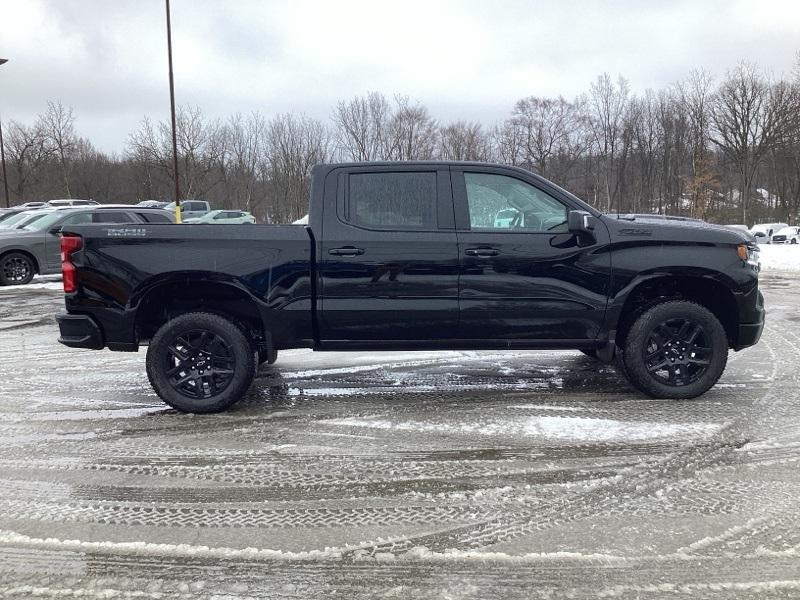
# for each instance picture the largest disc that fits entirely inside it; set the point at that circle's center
(670, 229)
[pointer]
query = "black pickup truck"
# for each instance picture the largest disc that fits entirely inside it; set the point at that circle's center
(412, 256)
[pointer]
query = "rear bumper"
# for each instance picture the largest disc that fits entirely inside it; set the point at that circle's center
(79, 331)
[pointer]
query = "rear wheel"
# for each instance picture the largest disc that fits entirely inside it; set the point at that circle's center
(16, 269)
(676, 349)
(200, 363)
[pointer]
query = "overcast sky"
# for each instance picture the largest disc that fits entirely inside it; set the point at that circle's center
(463, 59)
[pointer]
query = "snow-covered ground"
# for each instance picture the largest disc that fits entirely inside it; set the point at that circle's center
(780, 257)
(397, 475)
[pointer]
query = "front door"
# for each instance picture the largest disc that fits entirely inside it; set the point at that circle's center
(388, 262)
(524, 276)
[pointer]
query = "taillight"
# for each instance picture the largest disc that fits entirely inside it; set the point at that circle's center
(69, 245)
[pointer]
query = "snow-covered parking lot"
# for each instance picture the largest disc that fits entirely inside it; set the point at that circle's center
(433, 475)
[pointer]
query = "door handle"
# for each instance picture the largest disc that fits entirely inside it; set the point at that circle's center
(482, 252)
(346, 251)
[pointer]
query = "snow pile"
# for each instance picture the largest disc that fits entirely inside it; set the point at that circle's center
(12, 538)
(560, 428)
(780, 257)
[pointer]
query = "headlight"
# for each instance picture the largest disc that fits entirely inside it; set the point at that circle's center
(749, 254)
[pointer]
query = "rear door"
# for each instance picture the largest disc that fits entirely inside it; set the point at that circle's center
(388, 264)
(523, 275)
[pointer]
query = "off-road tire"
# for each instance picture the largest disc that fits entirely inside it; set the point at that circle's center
(642, 341)
(176, 351)
(16, 269)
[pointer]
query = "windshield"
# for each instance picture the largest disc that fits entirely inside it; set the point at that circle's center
(46, 221)
(13, 220)
(31, 219)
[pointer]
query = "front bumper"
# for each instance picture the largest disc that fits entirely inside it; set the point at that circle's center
(79, 331)
(750, 333)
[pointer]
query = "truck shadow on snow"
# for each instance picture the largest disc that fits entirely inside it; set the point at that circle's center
(555, 375)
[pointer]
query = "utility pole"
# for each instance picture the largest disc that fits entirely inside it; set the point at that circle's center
(3, 152)
(172, 111)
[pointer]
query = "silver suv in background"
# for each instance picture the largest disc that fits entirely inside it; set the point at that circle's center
(190, 209)
(36, 247)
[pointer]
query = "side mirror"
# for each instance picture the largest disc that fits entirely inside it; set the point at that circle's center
(580, 221)
(56, 230)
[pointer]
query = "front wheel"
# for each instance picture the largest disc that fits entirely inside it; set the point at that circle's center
(200, 363)
(16, 269)
(676, 350)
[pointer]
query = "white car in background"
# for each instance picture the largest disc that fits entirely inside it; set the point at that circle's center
(787, 235)
(763, 232)
(227, 217)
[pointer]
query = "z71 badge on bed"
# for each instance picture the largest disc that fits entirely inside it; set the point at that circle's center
(127, 232)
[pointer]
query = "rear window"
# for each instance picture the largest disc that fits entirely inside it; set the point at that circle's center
(392, 200)
(155, 217)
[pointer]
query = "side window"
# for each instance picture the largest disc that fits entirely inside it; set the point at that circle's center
(111, 216)
(222, 215)
(392, 200)
(154, 218)
(499, 202)
(79, 219)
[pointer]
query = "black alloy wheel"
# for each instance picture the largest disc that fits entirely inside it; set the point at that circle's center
(676, 349)
(16, 269)
(200, 362)
(677, 352)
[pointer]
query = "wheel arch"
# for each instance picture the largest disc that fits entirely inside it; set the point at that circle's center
(707, 289)
(165, 300)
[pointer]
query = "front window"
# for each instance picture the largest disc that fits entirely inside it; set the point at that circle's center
(500, 202)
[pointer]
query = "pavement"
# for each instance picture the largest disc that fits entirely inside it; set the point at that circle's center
(397, 475)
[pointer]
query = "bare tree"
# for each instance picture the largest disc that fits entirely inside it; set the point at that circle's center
(294, 145)
(27, 152)
(550, 130)
(202, 148)
(412, 132)
(607, 105)
(464, 141)
(695, 95)
(362, 127)
(748, 114)
(246, 139)
(58, 124)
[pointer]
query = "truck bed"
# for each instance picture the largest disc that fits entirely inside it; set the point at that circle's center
(119, 267)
